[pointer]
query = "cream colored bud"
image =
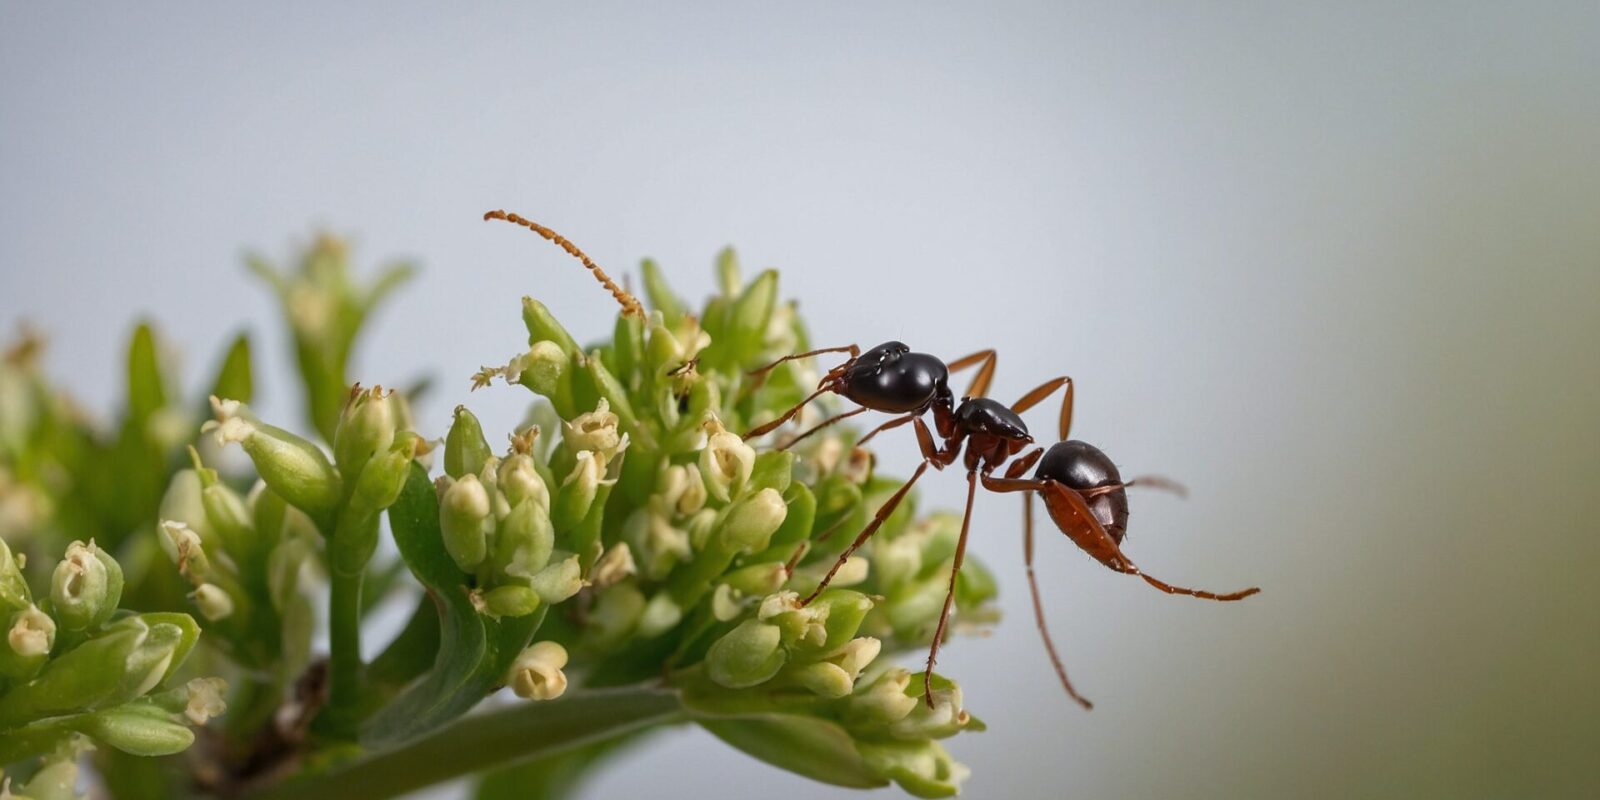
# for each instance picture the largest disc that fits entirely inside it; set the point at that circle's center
(725, 463)
(853, 572)
(214, 603)
(595, 430)
(519, 480)
(32, 633)
(183, 544)
(615, 565)
(886, 700)
(205, 699)
(857, 654)
(536, 674)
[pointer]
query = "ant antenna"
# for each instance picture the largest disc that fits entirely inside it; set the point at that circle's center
(630, 304)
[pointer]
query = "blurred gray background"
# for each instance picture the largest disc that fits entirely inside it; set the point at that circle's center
(1338, 270)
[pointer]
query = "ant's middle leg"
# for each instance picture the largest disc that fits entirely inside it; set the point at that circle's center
(930, 456)
(950, 594)
(823, 424)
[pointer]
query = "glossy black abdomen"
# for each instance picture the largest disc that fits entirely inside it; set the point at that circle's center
(1081, 466)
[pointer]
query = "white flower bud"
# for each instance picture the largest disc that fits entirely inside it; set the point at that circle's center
(853, 572)
(32, 633)
(184, 546)
(205, 699)
(614, 565)
(750, 524)
(536, 674)
(214, 603)
(886, 700)
(519, 480)
(595, 430)
(725, 463)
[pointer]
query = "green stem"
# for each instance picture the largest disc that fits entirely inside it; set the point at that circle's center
(497, 738)
(344, 645)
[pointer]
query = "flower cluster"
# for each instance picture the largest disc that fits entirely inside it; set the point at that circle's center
(73, 670)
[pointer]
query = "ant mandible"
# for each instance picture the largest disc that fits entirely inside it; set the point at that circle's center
(1082, 488)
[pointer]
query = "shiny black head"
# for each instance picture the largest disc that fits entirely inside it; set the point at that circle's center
(978, 415)
(1081, 466)
(892, 379)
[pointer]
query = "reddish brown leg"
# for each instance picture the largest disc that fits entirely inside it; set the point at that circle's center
(985, 376)
(1044, 390)
(929, 456)
(890, 425)
(1038, 606)
(1086, 532)
(950, 594)
(787, 415)
(1143, 481)
(823, 424)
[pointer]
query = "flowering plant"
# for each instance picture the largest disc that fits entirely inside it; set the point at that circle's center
(621, 562)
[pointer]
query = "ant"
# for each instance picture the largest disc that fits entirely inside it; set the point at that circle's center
(1083, 491)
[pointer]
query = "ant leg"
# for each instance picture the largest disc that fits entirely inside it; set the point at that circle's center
(823, 424)
(1022, 464)
(1038, 607)
(1044, 390)
(950, 594)
(787, 415)
(929, 456)
(872, 527)
(1148, 481)
(890, 425)
(1075, 519)
(760, 373)
(985, 376)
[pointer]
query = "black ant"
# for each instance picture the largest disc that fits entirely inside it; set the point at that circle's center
(1082, 488)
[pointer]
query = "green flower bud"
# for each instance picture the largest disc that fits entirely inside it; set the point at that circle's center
(541, 368)
(758, 579)
(124, 662)
(749, 655)
(384, 475)
(184, 503)
(284, 567)
(542, 326)
(519, 480)
(463, 517)
(887, 699)
(615, 616)
(204, 699)
(825, 679)
(725, 464)
(213, 603)
(140, 730)
(186, 551)
(14, 592)
(559, 580)
(922, 768)
(366, 427)
(86, 586)
(536, 673)
(228, 515)
(465, 448)
(750, 524)
(57, 780)
(510, 601)
(525, 541)
(578, 491)
(945, 718)
(660, 615)
(30, 636)
(845, 612)
(660, 545)
(293, 467)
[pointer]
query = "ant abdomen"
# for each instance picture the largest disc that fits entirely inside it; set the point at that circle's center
(1082, 466)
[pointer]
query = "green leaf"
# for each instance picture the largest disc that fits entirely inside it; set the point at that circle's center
(146, 388)
(661, 296)
(815, 748)
(474, 652)
(235, 379)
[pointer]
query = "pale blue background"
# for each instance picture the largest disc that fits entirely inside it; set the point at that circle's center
(1337, 269)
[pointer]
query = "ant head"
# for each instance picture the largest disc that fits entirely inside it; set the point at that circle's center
(892, 379)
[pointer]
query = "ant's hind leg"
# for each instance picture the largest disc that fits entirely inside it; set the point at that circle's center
(1044, 390)
(1038, 606)
(950, 594)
